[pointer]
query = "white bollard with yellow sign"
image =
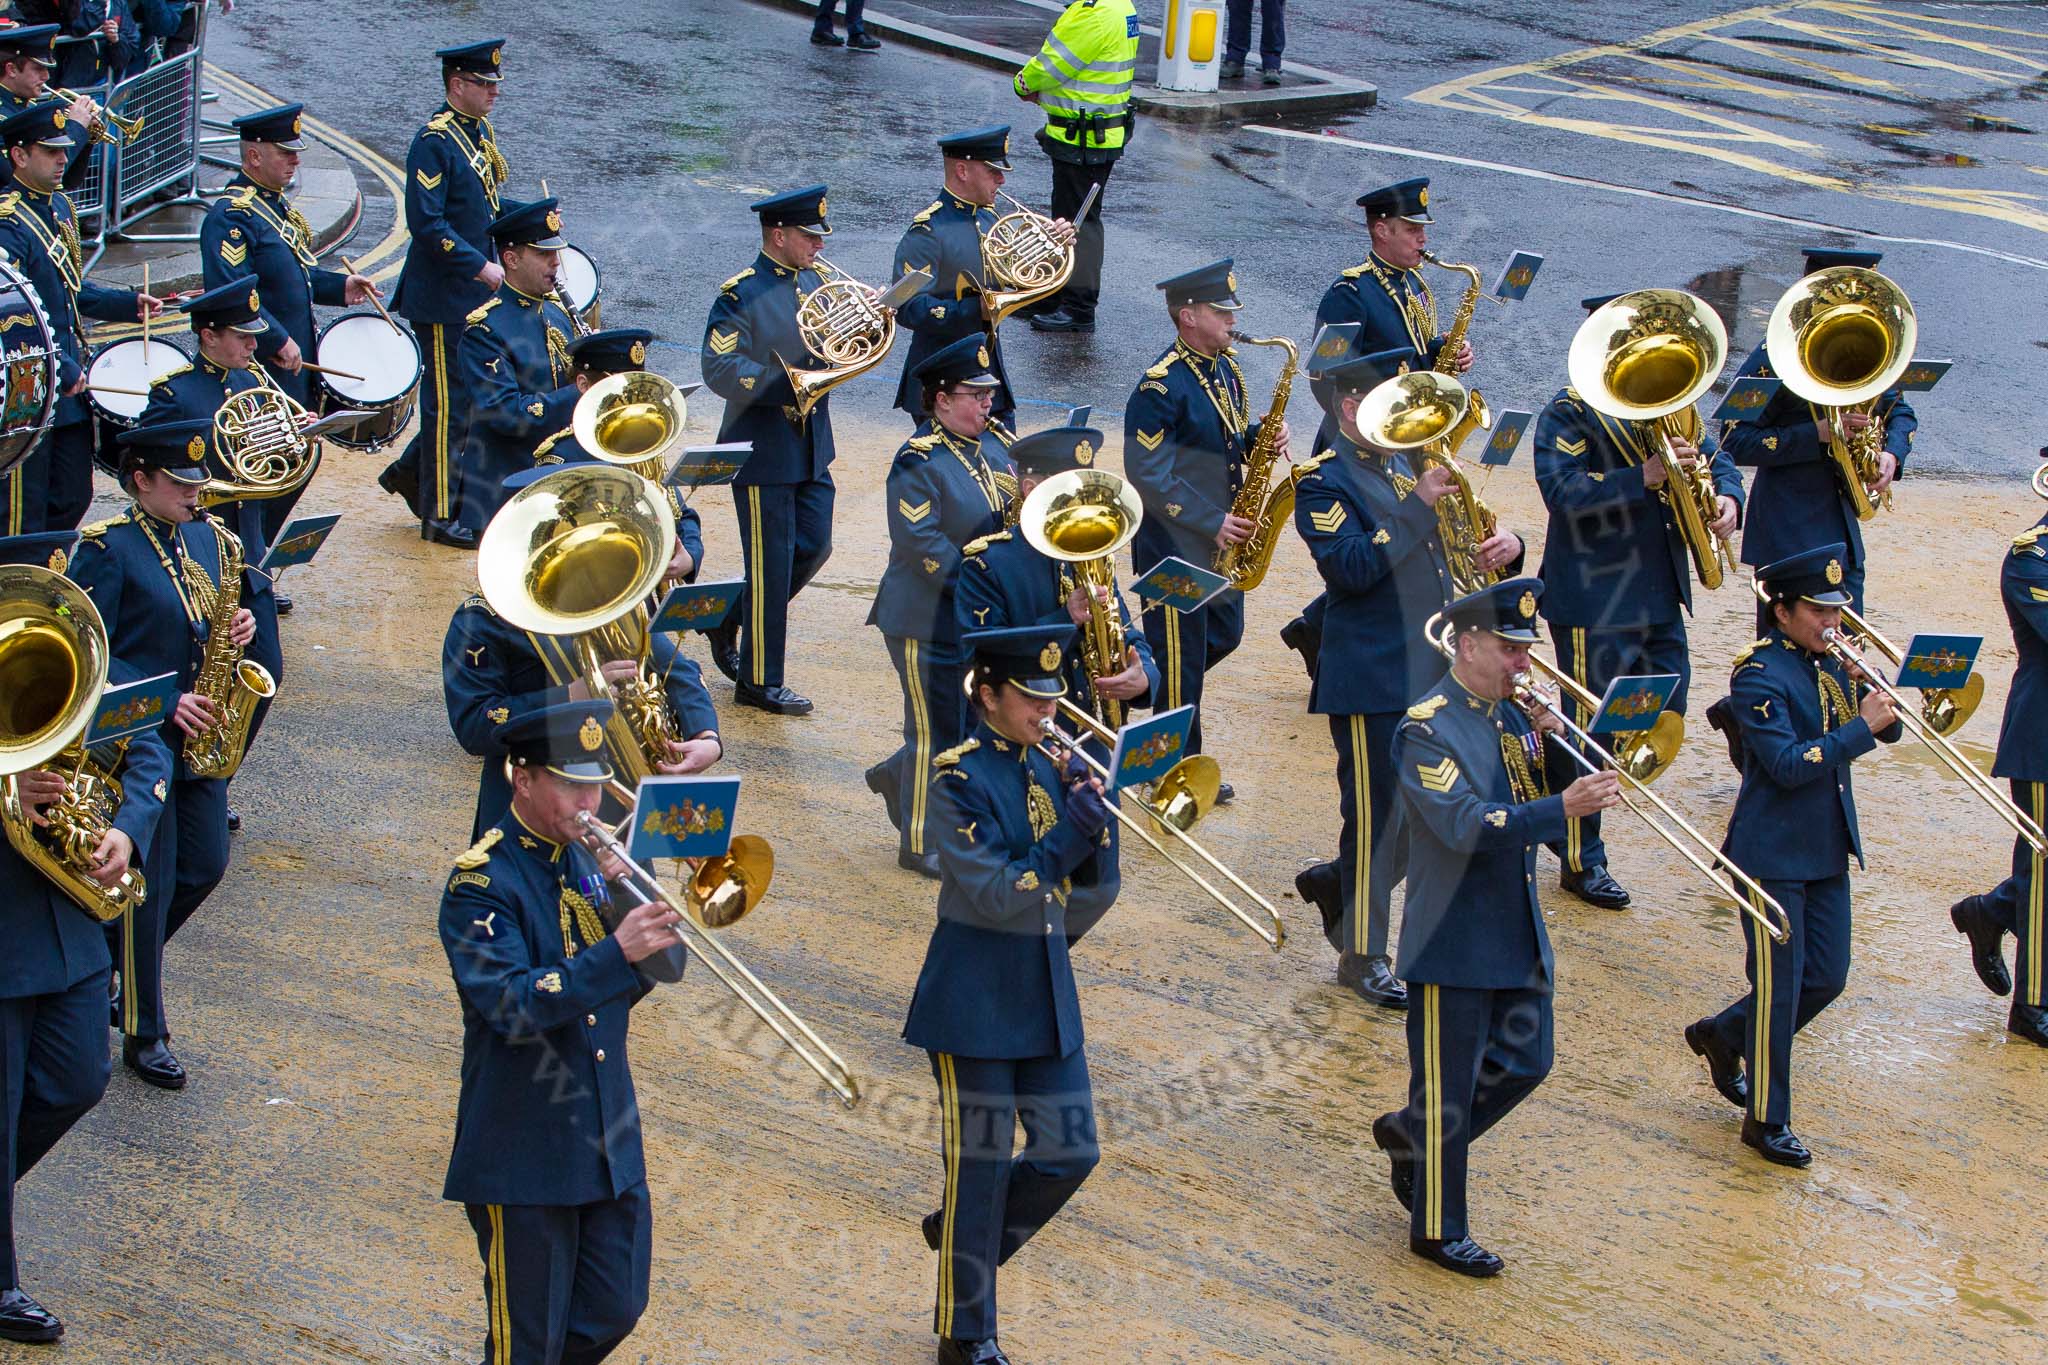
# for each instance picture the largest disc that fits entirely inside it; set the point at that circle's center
(1191, 45)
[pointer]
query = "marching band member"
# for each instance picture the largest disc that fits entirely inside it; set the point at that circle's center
(1805, 718)
(946, 240)
(1392, 304)
(2014, 906)
(28, 54)
(514, 358)
(547, 1160)
(1474, 950)
(154, 572)
(254, 230)
(1186, 434)
(945, 488)
(1617, 576)
(1025, 852)
(54, 976)
(1370, 523)
(52, 488)
(453, 174)
(783, 494)
(495, 675)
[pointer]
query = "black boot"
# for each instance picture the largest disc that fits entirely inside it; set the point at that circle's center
(450, 533)
(1724, 1065)
(1317, 885)
(1372, 980)
(23, 1319)
(881, 781)
(725, 647)
(1061, 320)
(778, 701)
(1594, 886)
(1776, 1143)
(1987, 943)
(1386, 1135)
(2029, 1022)
(402, 481)
(1465, 1256)
(151, 1059)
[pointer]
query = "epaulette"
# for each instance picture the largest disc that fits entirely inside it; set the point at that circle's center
(726, 288)
(1159, 371)
(241, 197)
(924, 444)
(1743, 659)
(479, 852)
(7, 203)
(479, 314)
(1423, 710)
(541, 452)
(980, 543)
(925, 217)
(1357, 270)
(952, 756)
(99, 528)
(168, 375)
(439, 122)
(2025, 540)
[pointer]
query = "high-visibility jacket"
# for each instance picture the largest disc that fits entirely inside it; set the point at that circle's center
(1083, 79)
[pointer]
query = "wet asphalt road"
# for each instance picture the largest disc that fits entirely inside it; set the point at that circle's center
(285, 1207)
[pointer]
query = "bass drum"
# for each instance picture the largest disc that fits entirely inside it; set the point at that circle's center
(29, 358)
(582, 286)
(129, 364)
(389, 361)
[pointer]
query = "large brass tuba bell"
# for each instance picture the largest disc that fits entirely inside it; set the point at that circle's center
(1083, 517)
(1839, 338)
(632, 420)
(576, 553)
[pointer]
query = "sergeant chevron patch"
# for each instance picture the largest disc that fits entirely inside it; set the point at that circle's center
(723, 343)
(1151, 442)
(234, 255)
(1440, 777)
(1329, 519)
(1572, 447)
(427, 182)
(914, 514)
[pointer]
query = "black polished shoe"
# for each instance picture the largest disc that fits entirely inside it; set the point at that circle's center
(778, 700)
(1225, 793)
(151, 1059)
(725, 647)
(234, 821)
(2029, 1022)
(23, 1319)
(1386, 1135)
(864, 42)
(983, 1352)
(819, 39)
(881, 781)
(1465, 1256)
(1721, 715)
(1298, 636)
(1061, 320)
(923, 864)
(930, 1223)
(283, 603)
(1724, 1065)
(1987, 943)
(452, 534)
(1372, 980)
(401, 482)
(1317, 885)
(1775, 1142)
(1594, 886)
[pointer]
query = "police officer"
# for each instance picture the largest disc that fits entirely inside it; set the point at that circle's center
(1804, 720)
(783, 493)
(514, 362)
(948, 485)
(1474, 951)
(2014, 906)
(1391, 306)
(1081, 78)
(53, 976)
(1005, 581)
(39, 233)
(453, 174)
(253, 229)
(494, 675)
(1370, 523)
(153, 572)
(547, 1160)
(1025, 852)
(1617, 578)
(1186, 433)
(227, 323)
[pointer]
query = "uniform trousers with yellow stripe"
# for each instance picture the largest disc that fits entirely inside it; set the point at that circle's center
(932, 675)
(1789, 984)
(1187, 644)
(564, 1283)
(436, 448)
(53, 1070)
(2016, 903)
(51, 489)
(1473, 1055)
(186, 861)
(1595, 656)
(785, 538)
(1370, 854)
(994, 1201)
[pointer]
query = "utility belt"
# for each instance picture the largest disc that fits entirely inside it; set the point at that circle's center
(1091, 129)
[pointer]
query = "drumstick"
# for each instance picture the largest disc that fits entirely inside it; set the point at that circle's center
(375, 302)
(329, 369)
(109, 388)
(145, 316)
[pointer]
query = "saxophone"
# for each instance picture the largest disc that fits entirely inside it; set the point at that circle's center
(232, 683)
(1266, 503)
(1477, 417)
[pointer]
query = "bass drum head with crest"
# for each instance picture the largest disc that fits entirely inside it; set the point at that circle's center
(131, 363)
(582, 285)
(29, 358)
(389, 361)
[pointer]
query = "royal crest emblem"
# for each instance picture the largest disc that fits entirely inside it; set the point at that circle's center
(591, 735)
(1049, 657)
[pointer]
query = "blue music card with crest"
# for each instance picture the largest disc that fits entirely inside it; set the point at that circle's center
(698, 606)
(1516, 276)
(714, 464)
(683, 817)
(132, 707)
(1937, 661)
(1173, 582)
(1506, 437)
(1922, 375)
(1633, 702)
(297, 542)
(1747, 397)
(1146, 749)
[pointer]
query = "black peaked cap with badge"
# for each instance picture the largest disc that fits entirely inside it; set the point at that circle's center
(1407, 199)
(965, 362)
(175, 448)
(1055, 450)
(279, 125)
(43, 125)
(1810, 576)
(1214, 284)
(615, 350)
(484, 60)
(567, 739)
(804, 208)
(237, 305)
(536, 224)
(1505, 609)
(990, 144)
(1029, 658)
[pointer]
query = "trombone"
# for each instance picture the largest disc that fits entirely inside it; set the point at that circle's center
(719, 960)
(105, 125)
(1684, 839)
(1945, 709)
(1952, 757)
(1642, 754)
(1177, 801)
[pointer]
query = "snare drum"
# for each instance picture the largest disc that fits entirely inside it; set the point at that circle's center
(129, 364)
(582, 286)
(29, 360)
(387, 358)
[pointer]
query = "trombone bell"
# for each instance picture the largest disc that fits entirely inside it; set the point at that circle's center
(1187, 792)
(724, 890)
